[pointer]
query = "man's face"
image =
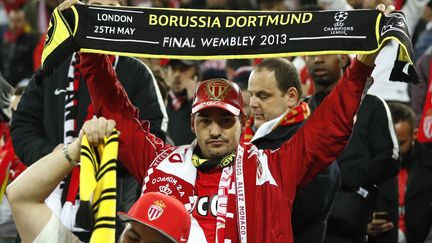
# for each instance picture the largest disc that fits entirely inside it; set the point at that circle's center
(17, 21)
(180, 76)
(267, 102)
(325, 70)
(137, 232)
(405, 135)
(217, 131)
(114, 3)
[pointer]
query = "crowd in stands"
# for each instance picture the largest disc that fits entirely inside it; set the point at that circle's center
(379, 189)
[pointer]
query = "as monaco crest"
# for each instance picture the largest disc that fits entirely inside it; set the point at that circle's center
(427, 127)
(217, 89)
(155, 210)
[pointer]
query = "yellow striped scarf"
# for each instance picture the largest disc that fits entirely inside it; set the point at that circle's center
(98, 184)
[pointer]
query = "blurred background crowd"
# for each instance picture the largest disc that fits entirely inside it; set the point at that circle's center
(22, 33)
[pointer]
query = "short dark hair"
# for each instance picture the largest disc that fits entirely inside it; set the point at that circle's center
(402, 113)
(285, 73)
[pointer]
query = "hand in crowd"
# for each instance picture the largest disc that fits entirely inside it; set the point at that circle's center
(96, 130)
(369, 59)
(67, 4)
(379, 226)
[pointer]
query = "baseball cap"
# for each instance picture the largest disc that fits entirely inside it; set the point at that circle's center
(163, 213)
(220, 93)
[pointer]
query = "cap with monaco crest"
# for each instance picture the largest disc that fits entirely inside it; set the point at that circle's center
(162, 213)
(220, 93)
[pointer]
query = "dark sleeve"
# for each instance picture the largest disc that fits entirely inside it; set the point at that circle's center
(144, 93)
(383, 147)
(27, 131)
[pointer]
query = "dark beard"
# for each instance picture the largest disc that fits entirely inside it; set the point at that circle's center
(324, 82)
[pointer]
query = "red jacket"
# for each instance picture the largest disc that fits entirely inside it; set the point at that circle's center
(261, 189)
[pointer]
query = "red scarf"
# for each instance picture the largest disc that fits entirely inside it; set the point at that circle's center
(295, 115)
(425, 126)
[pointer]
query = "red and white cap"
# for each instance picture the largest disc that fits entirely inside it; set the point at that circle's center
(163, 213)
(220, 93)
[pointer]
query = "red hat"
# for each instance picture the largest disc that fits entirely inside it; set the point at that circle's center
(219, 93)
(162, 213)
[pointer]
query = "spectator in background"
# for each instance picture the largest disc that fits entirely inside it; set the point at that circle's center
(414, 179)
(277, 114)
(17, 49)
(51, 115)
(10, 166)
(235, 66)
(182, 77)
(370, 157)
(241, 78)
(38, 13)
(421, 99)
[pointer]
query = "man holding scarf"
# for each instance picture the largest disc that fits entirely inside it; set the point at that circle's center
(234, 191)
(277, 113)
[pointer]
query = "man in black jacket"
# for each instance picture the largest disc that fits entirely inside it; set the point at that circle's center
(182, 77)
(53, 113)
(371, 156)
(277, 114)
(415, 192)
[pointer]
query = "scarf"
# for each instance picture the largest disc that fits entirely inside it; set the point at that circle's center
(98, 187)
(425, 126)
(69, 189)
(165, 33)
(293, 116)
(176, 100)
(209, 164)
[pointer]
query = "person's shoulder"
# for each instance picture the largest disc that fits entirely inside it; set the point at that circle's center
(132, 62)
(374, 100)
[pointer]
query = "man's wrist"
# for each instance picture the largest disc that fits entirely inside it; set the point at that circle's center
(71, 154)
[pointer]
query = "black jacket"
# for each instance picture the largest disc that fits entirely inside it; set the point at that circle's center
(38, 123)
(387, 200)
(179, 125)
(418, 196)
(313, 202)
(370, 157)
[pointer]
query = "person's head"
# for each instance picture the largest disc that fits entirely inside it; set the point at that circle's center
(114, 3)
(217, 117)
(326, 70)
(180, 72)
(272, 5)
(232, 66)
(274, 85)
(156, 218)
(17, 20)
(216, 4)
(405, 127)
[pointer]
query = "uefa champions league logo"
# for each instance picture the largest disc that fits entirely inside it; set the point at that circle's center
(340, 16)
